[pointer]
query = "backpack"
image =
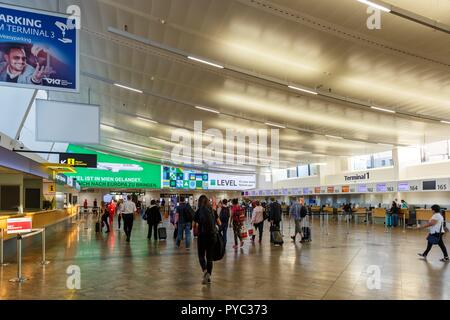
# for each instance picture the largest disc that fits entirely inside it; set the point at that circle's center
(188, 213)
(224, 215)
(275, 208)
(239, 216)
(303, 212)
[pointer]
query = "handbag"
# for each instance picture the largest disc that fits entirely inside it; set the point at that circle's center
(434, 238)
(250, 231)
(244, 233)
(219, 247)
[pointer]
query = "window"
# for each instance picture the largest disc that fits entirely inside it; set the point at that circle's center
(435, 151)
(292, 172)
(370, 161)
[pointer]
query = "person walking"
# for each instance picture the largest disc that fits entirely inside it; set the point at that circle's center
(274, 215)
(298, 211)
(119, 211)
(153, 216)
(129, 209)
(436, 233)
(206, 221)
(104, 216)
(258, 221)
(185, 215)
(112, 210)
(236, 217)
(224, 215)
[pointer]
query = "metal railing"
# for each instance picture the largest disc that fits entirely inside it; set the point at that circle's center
(44, 262)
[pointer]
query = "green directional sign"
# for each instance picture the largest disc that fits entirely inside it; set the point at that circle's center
(116, 172)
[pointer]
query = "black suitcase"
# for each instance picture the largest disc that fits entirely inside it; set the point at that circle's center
(306, 231)
(162, 233)
(97, 226)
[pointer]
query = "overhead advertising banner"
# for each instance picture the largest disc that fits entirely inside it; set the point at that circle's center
(218, 181)
(116, 172)
(179, 178)
(78, 160)
(38, 49)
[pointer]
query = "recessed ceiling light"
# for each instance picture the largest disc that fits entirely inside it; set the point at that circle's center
(334, 137)
(385, 144)
(207, 109)
(375, 5)
(128, 88)
(206, 62)
(147, 120)
(275, 125)
(303, 90)
(381, 109)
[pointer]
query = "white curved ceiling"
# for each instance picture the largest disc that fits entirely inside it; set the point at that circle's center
(318, 44)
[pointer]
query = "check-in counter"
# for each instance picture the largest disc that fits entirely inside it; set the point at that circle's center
(423, 214)
(41, 219)
(379, 213)
(328, 210)
(315, 209)
(403, 213)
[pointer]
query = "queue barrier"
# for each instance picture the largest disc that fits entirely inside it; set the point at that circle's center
(20, 278)
(2, 237)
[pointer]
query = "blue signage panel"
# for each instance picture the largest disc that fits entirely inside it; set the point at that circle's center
(38, 49)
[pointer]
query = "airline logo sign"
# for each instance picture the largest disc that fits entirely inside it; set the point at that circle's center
(18, 225)
(231, 182)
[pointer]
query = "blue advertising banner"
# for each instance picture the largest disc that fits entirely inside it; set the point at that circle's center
(38, 49)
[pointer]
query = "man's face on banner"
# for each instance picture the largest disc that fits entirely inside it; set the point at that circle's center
(16, 59)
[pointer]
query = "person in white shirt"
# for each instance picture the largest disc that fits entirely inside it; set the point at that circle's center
(436, 233)
(129, 208)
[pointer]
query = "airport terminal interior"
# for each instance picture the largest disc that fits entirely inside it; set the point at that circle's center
(144, 141)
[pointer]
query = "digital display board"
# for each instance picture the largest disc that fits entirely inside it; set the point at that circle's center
(116, 172)
(429, 185)
(362, 188)
(403, 186)
(345, 188)
(381, 187)
(179, 178)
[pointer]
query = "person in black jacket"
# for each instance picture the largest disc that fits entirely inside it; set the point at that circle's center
(153, 216)
(206, 220)
(275, 213)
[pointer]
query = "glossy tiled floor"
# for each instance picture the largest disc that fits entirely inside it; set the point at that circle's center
(333, 266)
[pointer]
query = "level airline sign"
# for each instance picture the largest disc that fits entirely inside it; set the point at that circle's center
(218, 181)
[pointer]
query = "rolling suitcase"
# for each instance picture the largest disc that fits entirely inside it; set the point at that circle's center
(162, 233)
(306, 231)
(276, 236)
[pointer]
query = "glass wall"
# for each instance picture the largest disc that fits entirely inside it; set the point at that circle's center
(371, 161)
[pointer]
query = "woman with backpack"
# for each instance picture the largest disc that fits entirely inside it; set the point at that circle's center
(258, 221)
(436, 233)
(237, 218)
(205, 220)
(224, 215)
